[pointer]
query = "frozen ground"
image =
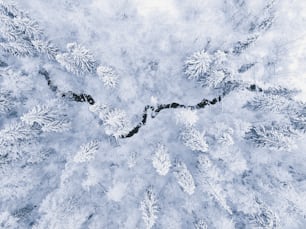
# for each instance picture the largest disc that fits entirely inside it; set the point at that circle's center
(237, 162)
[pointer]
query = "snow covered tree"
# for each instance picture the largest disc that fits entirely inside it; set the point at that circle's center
(77, 59)
(246, 98)
(210, 175)
(6, 102)
(15, 133)
(116, 123)
(17, 31)
(194, 139)
(87, 152)
(161, 160)
(26, 27)
(149, 208)
(18, 48)
(226, 138)
(209, 69)
(19, 28)
(71, 209)
(268, 103)
(198, 65)
(200, 224)
(9, 8)
(49, 118)
(108, 76)
(272, 136)
(277, 135)
(71, 198)
(184, 178)
(46, 47)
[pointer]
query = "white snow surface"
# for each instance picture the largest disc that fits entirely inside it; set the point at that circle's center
(52, 181)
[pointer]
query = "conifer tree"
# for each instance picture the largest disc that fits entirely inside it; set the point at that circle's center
(6, 102)
(77, 59)
(210, 175)
(87, 152)
(149, 208)
(273, 136)
(46, 47)
(49, 118)
(184, 178)
(43, 184)
(16, 133)
(161, 160)
(198, 65)
(108, 76)
(209, 69)
(200, 224)
(116, 123)
(194, 139)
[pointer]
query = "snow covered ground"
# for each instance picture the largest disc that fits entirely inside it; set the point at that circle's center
(77, 149)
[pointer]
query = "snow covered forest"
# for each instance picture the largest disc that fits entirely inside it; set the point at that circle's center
(162, 114)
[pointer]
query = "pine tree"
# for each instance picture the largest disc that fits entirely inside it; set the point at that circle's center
(77, 59)
(46, 47)
(15, 133)
(200, 224)
(17, 31)
(49, 118)
(209, 69)
(268, 103)
(223, 134)
(7, 28)
(226, 139)
(149, 208)
(26, 27)
(87, 152)
(211, 176)
(275, 135)
(8, 8)
(282, 91)
(198, 65)
(74, 197)
(6, 102)
(18, 48)
(184, 178)
(108, 76)
(65, 206)
(116, 123)
(194, 139)
(161, 160)
(272, 136)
